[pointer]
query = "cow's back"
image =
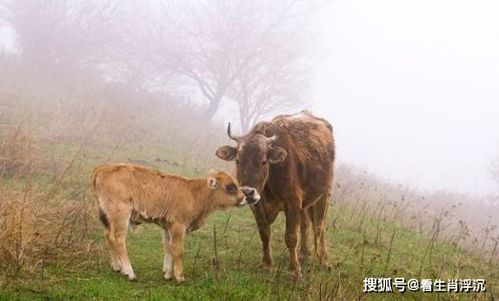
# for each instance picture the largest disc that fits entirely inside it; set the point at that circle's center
(311, 152)
(312, 137)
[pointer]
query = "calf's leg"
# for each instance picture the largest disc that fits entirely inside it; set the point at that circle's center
(120, 222)
(168, 260)
(177, 232)
(111, 244)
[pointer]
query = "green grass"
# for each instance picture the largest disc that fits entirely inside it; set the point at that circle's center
(357, 250)
(238, 276)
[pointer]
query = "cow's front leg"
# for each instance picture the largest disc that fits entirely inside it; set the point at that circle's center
(177, 232)
(291, 238)
(264, 231)
(263, 220)
(168, 260)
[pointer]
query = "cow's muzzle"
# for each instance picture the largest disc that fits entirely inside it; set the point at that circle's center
(251, 194)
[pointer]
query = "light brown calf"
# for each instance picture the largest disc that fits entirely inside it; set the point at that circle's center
(130, 194)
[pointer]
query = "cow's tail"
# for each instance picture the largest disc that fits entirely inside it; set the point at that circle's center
(102, 215)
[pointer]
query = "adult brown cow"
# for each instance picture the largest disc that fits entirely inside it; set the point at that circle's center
(289, 160)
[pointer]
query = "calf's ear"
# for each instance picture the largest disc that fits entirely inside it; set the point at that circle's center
(212, 183)
(277, 154)
(226, 152)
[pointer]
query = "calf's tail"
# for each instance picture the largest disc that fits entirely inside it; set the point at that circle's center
(102, 215)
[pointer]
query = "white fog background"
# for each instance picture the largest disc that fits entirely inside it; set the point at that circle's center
(411, 88)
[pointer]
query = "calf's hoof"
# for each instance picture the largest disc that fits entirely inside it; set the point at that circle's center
(180, 279)
(167, 276)
(132, 278)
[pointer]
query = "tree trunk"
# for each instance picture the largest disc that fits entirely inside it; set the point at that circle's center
(212, 107)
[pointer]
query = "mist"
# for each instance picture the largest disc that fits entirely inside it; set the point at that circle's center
(411, 88)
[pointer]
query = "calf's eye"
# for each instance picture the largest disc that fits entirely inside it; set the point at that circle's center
(231, 187)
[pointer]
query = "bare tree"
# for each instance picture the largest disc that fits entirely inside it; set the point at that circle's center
(251, 53)
(219, 45)
(277, 76)
(267, 86)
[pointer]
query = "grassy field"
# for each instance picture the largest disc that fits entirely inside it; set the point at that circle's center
(236, 275)
(360, 245)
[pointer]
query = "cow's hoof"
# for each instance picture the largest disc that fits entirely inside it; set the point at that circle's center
(180, 279)
(265, 266)
(167, 276)
(303, 257)
(326, 264)
(304, 260)
(296, 276)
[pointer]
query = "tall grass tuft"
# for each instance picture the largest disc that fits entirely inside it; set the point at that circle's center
(36, 226)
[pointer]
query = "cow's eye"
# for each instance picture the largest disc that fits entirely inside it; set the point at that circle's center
(237, 161)
(264, 162)
(231, 188)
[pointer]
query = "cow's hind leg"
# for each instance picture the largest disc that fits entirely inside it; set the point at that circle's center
(304, 237)
(319, 225)
(168, 260)
(293, 215)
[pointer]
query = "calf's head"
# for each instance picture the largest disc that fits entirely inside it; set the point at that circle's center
(253, 155)
(226, 191)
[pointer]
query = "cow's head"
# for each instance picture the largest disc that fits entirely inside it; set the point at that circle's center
(253, 155)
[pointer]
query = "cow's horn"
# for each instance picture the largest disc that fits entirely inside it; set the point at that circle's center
(235, 138)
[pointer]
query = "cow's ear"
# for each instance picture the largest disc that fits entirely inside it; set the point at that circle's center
(226, 152)
(277, 154)
(212, 183)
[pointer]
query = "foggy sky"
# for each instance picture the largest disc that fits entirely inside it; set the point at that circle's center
(411, 88)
